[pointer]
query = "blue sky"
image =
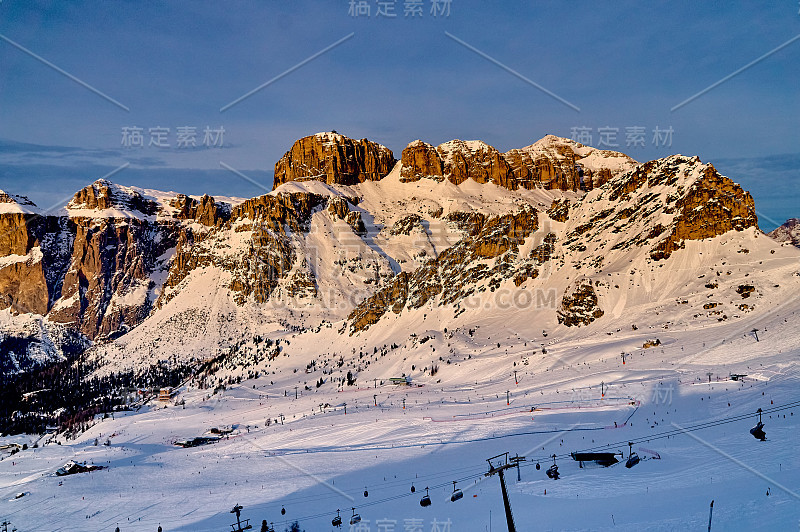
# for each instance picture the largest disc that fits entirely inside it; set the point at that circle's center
(175, 64)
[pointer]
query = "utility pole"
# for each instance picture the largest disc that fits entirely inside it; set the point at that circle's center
(502, 463)
(239, 526)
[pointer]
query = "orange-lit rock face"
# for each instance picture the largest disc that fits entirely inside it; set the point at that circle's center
(334, 159)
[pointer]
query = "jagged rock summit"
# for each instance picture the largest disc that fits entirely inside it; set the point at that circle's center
(551, 163)
(334, 159)
(788, 232)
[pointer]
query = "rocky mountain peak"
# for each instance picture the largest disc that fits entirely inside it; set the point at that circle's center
(105, 195)
(334, 159)
(11, 203)
(788, 232)
(553, 163)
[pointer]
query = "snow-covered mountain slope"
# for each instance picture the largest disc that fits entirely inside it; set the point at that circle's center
(95, 268)
(160, 276)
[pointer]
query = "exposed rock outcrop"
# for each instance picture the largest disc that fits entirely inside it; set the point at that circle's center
(551, 163)
(420, 159)
(334, 159)
(459, 271)
(580, 307)
(205, 210)
(713, 206)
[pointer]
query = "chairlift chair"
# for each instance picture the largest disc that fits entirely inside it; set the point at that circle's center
(355, 519)
(552, 471)
(633, 458)
(457, 493)
(337, 521)
(426, 500)
(758, 431)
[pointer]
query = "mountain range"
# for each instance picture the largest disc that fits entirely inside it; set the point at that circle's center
(353, 250)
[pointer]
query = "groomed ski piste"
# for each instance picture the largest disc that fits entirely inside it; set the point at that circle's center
(313, 459)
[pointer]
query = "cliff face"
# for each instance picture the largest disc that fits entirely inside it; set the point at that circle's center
(334, 159)
(95, 270)
(553, 163)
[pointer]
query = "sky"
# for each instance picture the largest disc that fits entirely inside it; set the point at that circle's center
(73, 75)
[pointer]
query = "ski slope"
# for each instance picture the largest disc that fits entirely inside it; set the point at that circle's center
(321, 459)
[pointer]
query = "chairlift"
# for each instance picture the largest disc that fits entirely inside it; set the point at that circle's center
(457, 493)
(413, 489)
(552, 471)
(337, 521)
(758, 431)
(426, 500)
(366, 493)
(538, 467)
(283, 510)
(633, 458)
(355, 519)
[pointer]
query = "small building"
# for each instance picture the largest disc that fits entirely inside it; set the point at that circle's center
(165, 395)
(400, 381)
(602, 459)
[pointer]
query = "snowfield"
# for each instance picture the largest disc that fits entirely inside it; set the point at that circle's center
(320, 459)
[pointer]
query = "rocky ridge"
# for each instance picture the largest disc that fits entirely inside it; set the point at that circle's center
(375, 242)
